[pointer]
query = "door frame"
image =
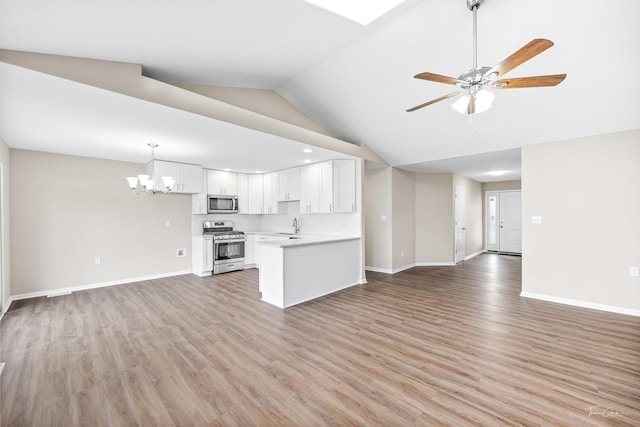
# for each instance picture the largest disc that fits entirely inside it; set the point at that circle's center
(459, 228)
(487, 194)
(3, 237)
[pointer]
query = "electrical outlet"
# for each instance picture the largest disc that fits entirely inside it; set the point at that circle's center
(167, 223)
(634, 272)
(401, 253)
(97, 260)
(383, 218)
(181, 252)
(536, 219)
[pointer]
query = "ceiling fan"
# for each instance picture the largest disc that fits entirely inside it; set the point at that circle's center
(474, 82)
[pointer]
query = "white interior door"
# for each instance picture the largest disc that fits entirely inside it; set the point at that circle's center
(459, 223)
(510, 220)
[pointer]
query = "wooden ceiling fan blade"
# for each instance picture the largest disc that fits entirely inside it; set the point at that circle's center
(433, 101)
(537, 81)
(525, 53)
(438, 78)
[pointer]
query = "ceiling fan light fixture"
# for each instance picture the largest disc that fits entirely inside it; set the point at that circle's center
(483, 101)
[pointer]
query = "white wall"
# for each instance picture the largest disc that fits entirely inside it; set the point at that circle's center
(587, 191)
(67, 210)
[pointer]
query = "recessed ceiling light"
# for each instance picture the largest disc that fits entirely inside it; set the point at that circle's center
(362, 12)
(496, 173)
(308, 150)
(307, 161)
(258, 172)
(227, 170)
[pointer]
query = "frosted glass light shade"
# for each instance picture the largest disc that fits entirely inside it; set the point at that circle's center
(168, 182)
(133, 182)
(483, 103)
(144, 180)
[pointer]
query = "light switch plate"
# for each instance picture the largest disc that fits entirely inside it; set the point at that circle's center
(536, 219)
(634, 272)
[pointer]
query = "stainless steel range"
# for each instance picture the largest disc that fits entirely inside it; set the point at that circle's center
(228, 246)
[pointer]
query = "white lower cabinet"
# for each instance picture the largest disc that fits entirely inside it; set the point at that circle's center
(202, 255)
(249, 251)
(258, 239)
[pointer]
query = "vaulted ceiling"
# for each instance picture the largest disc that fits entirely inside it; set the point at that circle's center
(354, 81)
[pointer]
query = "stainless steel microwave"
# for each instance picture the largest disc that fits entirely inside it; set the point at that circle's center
(222, 204)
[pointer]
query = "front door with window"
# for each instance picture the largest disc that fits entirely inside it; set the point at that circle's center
(503, 218)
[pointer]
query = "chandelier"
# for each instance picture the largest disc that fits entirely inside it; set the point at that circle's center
(146, 181)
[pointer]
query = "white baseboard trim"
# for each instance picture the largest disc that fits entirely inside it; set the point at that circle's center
(474, 255)
(583, 304)
(387, 271)
(435, 264)
(63, 291)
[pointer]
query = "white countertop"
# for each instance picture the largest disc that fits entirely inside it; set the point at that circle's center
(291, 240)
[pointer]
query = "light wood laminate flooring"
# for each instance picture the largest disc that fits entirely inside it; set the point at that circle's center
(428, 346)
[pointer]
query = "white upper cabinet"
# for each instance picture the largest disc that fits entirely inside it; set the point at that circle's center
(199, 201)
(316, 188)
(222, 183)
(328, 187)
(250, 193)
(243, 193)
(270, 193)
(289, 185)
(255, 194)
(344, 186)
(187, 178)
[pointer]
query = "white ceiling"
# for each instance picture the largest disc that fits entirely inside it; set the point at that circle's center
(353, 80)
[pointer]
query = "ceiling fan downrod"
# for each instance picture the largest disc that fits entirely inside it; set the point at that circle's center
(473, 6)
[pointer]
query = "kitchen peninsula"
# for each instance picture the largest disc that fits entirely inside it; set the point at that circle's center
(302, 268)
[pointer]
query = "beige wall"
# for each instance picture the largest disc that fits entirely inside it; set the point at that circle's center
(66, 210)
(5, 161)
(434, 217)
(403, 218)
(263, 101)
(587, 192)
(378, 233)
(473, 214)
(501, 186)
